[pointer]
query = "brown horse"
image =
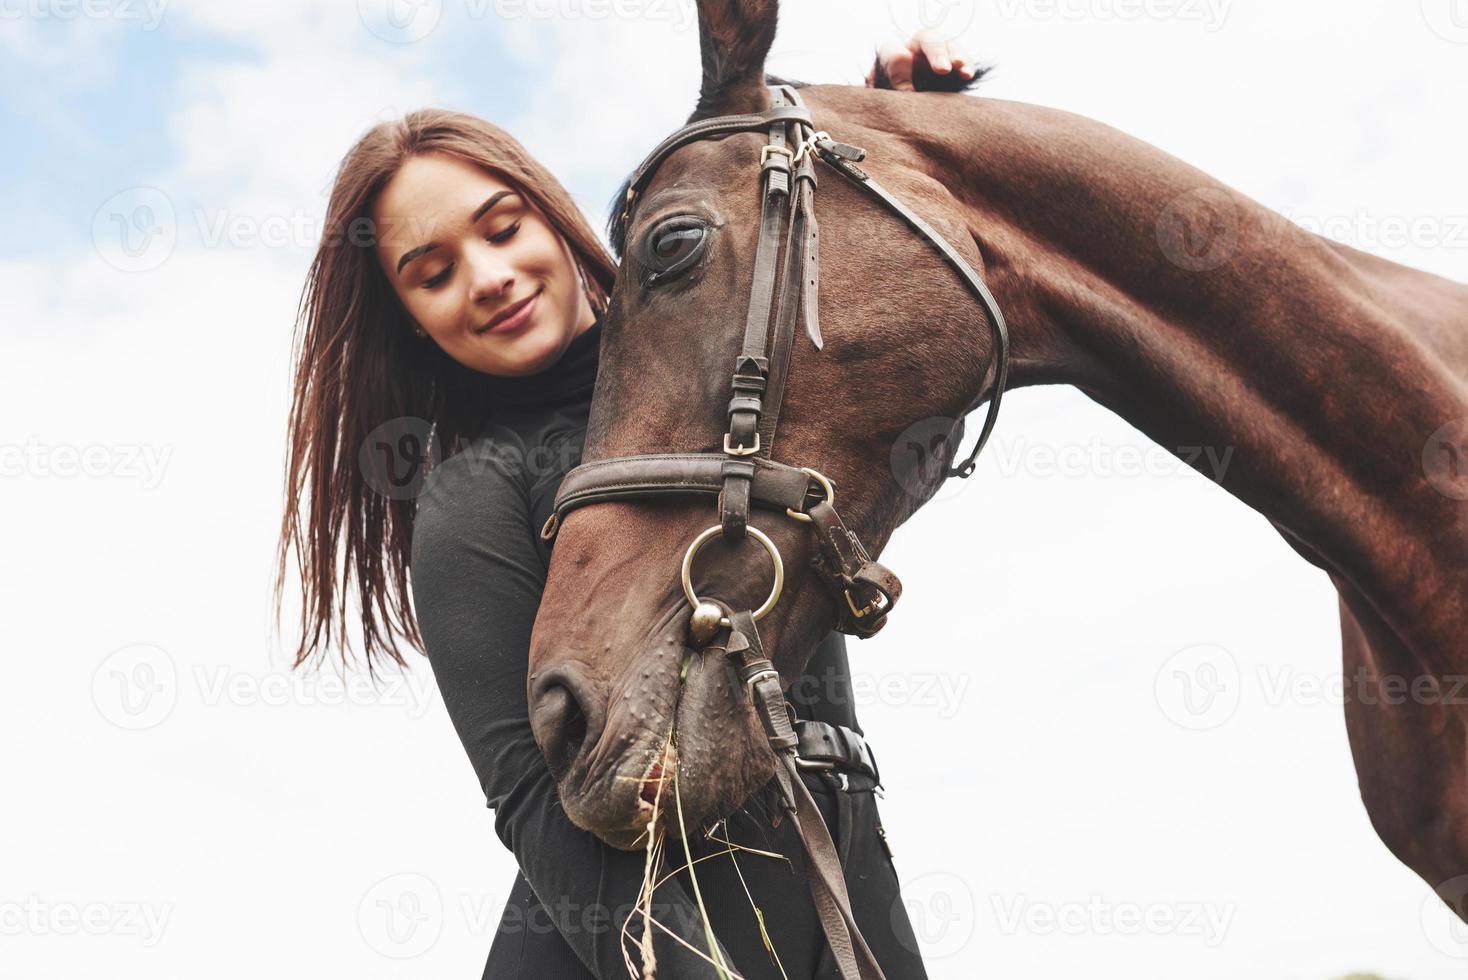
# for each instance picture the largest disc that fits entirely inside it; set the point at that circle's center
(1339, 380)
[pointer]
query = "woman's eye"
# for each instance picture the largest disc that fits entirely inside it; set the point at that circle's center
(672, 248)
(505, 235)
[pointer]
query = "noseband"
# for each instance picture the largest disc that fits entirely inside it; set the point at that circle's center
(745, 475)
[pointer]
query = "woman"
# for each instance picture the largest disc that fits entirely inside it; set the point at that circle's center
(453, 310)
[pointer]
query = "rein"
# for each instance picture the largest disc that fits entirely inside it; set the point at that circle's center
(745, 475)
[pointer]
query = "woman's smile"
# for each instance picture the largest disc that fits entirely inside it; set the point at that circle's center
(513, 318)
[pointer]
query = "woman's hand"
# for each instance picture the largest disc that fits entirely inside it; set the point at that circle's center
(910, 67)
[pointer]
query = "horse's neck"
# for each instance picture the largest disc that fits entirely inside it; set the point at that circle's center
(1317, 373)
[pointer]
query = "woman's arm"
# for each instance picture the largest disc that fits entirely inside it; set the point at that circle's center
(477, 583)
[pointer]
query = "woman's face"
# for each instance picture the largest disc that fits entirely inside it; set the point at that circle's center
(477, 267)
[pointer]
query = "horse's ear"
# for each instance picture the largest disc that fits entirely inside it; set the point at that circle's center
(734, 37)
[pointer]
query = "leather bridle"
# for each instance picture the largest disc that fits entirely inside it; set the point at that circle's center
(786, 279)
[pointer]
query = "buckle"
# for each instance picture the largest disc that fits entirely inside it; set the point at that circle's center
(825, 485)
(808, 145)
(741, 450)
(879, 603)
(769, 150)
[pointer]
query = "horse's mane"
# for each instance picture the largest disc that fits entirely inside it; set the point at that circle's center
(951, 82)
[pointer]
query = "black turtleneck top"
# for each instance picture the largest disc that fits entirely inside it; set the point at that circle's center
(478, 571)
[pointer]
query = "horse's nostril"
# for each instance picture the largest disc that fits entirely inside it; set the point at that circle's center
(560, 726)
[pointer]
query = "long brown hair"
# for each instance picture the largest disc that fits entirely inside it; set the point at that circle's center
(359, 368)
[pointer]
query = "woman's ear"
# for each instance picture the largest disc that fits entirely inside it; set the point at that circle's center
(734, 38)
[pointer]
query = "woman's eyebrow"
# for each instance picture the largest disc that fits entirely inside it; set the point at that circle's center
(479, 212)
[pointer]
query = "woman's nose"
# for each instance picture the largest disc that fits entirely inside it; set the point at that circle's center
(493, 277)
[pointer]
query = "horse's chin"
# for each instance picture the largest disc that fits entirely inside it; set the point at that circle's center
(624, 823)
(718, 759)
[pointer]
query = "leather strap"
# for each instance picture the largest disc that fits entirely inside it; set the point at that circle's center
(865, 590)
(824, 746)
(704, 129)
(824, 874)
(838, 155)
(776, 486)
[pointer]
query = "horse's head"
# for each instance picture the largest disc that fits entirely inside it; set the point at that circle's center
(612, 669)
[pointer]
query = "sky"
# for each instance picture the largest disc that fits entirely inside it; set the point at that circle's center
(180, 803)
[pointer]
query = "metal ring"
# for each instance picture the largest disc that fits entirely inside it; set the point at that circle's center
(825, 485)
(759, 536)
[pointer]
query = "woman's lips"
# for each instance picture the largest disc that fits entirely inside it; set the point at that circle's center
(518, 317)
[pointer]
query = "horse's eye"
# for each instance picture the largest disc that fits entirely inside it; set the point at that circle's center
(673, 247)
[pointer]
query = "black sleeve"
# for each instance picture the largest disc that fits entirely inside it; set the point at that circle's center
(477, 581)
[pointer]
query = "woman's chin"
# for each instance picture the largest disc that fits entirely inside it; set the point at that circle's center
(528, 351)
